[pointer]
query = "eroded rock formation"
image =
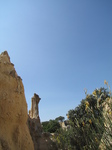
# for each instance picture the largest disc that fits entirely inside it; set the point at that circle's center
(14, 133)
(41, 140)
(34, 112)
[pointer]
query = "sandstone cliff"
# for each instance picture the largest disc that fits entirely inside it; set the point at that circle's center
(14, 133)
(41, 140)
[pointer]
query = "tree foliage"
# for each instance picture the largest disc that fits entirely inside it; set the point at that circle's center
(50, 126)
(87, 123)
(60, 119)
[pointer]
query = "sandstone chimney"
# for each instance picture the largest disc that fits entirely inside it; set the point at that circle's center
(34, 112)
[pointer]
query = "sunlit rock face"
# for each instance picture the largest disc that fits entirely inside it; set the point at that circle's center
(14, 132)
(41, 140)
(34, 112)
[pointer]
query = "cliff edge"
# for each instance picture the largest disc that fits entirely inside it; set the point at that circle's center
(14, 132)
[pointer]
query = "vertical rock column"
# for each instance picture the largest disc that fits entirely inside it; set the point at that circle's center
(34, 112)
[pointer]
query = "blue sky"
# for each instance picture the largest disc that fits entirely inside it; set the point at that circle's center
(59, 47)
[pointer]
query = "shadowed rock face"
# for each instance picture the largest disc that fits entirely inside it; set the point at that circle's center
(14, 133)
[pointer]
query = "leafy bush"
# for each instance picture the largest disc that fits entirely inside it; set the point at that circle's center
(60, 119)
(50, 126)
(89, 125)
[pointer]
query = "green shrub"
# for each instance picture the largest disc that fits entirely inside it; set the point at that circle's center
(50, 126)
(90, 122)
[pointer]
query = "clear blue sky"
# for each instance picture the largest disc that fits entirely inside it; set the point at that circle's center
(59, 47)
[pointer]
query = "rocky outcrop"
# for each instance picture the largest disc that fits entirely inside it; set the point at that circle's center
(34, 112)
(41, 140)
(34, 121)
(14, 132)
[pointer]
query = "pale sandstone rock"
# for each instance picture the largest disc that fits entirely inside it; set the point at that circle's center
(34, 112)
(41, 140)
(14, 133)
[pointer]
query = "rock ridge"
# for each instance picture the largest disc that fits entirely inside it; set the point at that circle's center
(14, 132)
